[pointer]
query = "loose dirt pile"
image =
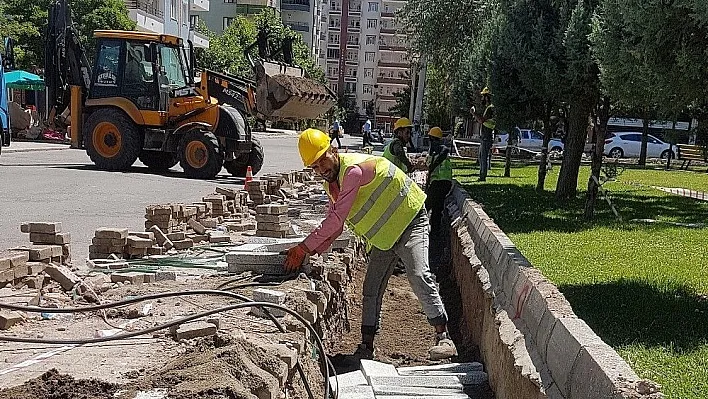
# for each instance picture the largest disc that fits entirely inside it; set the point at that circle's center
(300, 86)
(52, 385)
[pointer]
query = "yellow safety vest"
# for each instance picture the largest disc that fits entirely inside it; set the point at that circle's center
(383, 208)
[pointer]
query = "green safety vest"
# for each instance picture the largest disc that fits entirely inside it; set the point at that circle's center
(388, 155)
(443, 171)
(383, 208)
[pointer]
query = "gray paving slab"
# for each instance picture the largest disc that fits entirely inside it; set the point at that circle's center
(458, 396)
(350, 379)
(387, 390)
(442, 369)
(356, 392)
(372, 368)
(442, 381)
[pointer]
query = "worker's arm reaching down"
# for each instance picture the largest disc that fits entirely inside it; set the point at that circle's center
(399, 152)
(322, 237)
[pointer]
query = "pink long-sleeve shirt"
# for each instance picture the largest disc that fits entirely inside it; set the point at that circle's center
(339, 206)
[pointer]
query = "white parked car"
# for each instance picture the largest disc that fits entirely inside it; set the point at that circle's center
(629, 144)
(531, 140)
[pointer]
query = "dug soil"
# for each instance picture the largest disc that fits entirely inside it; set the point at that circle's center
(52, 385)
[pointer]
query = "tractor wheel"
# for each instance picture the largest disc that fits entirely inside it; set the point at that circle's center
(254, 159)
(157, 160)
(112, 140)
(200, 156)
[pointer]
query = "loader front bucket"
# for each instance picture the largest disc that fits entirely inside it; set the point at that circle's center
(284, 93)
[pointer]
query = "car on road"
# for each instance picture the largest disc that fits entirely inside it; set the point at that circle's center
(629, 144)
(531, 140)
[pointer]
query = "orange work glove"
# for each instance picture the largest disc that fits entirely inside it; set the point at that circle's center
(296, 256)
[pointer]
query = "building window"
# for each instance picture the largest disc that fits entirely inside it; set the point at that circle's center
(334, 38)
(373, 6)
(332, 71)
(229, 1)
(332, 53)
(368, 89)
(333, 86)
(227, 21)
(371, 23)
(352, 55)
(193, 22)
(369, 57)
(350, 87)
(174, 9)
(368, 72)
(370, 39)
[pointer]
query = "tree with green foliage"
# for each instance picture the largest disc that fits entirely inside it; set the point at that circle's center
(403, 102)
(437, 98)
(25, 21)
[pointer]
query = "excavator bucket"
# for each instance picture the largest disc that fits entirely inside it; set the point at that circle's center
(284, 93)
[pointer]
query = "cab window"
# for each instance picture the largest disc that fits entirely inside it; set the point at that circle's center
(173, 67)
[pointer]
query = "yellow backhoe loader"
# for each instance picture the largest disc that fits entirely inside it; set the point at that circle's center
(140, 100)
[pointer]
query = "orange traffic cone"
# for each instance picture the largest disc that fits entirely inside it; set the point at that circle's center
(249, 176)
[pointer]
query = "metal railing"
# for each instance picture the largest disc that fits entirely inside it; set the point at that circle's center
(152, 9)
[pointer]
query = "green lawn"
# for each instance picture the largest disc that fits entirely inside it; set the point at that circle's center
(642, 287)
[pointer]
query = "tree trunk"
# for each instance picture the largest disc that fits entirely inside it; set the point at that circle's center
(671, 142)
(645, 136)
(567, 186)
(541, 183)
(507, 156)
(603, 117)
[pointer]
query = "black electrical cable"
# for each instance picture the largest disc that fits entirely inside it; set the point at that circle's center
(247, 302)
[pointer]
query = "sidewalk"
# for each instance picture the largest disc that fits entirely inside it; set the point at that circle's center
(28, 146)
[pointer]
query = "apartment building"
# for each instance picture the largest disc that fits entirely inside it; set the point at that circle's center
(364, 56)
(302, 16)
(169, 17)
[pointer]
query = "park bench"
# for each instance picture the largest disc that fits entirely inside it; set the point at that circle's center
(691, 152)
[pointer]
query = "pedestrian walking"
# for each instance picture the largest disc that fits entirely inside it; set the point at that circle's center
(334, 132)
(385, 208)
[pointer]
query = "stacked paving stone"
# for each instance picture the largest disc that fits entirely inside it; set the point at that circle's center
(108, 242)
(272, 220)
(49, 243)
(257, 192)
(13, 267)
(140, 244)
(169, 217)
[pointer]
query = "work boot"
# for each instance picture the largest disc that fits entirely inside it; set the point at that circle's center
(444, 347)
(363, 352)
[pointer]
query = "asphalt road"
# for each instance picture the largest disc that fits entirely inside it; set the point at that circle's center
(64, 186)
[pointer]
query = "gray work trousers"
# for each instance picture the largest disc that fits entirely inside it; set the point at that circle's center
(485, 158)
(412, 250)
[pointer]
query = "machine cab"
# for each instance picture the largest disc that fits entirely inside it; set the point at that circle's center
(145, 69)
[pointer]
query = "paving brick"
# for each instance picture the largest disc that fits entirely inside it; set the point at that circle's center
(229, 193)
(372, 368)
(19, 271)
(265, 218)
(62, 238)
(155, 250)
(272, 209)
(111, 232)
(24, 227)
(176, 236)
(42, 238)
(62, 275)
(160, 237)
(44, 227)
(256, 258)
(217, 237)
(138, 242)
(9, 259)
(35, 282)
(9, 319)
(104, 249)
(34, 268)
(262, 226)
(42, 252)
(158, 210)
(183, 244)
(442, 369)
(271, 234)
(131, 277)
(194, 330)
(109, 242)
(165, 276)
(7, 275)
(196, 226)
(285, 354)
(270, 296)
(149, 278)
(143, 234)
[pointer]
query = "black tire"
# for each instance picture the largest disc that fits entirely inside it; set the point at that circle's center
(200, 155)
(616, 153)
(112, 140)
(666, 153)
(238, 166)
(157, 160)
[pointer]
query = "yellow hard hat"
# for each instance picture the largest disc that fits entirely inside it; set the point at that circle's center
(401, 123)
(485, 91)
(312, 144)
(435, 132)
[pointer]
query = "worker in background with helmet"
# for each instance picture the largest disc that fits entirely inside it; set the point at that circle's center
(395, 151)
(488, 125)
(439, 180)
(386, 208)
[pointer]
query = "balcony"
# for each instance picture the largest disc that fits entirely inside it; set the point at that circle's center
(354, 28)
(394, 64)
(388, 30)
(335, 10)
(393, 80)
(199, 40)
(387, 14)
(385, 47)
(199, 5)
(147, 22)
(354, 9)
(299, 26)
(295, 5)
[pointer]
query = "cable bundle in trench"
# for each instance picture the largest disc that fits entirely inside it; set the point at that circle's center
(247, 302)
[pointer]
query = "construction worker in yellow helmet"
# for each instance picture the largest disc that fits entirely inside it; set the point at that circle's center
(384, 207)
(395, 151)
(438, 186)
(486, 119)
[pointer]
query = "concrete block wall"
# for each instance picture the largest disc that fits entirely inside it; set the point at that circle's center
(531, 341)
